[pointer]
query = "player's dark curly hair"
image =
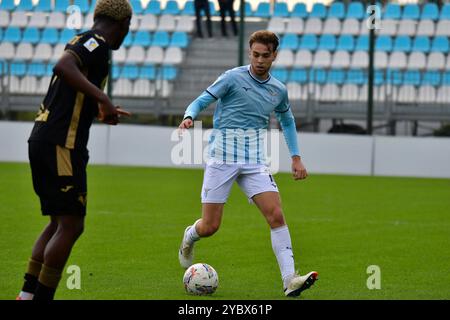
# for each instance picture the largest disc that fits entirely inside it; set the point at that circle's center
(265, 37)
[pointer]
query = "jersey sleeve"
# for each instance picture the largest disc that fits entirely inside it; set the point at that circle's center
(221, 86)
(284, 106)
(90, 50)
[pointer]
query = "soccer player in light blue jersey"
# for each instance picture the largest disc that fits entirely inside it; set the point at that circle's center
(246, 96)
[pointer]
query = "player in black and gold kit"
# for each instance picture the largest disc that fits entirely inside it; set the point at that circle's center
(58, 143)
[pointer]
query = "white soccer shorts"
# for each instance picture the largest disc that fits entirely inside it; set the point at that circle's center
(219, 177)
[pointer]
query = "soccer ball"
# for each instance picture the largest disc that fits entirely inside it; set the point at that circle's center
(200, 279)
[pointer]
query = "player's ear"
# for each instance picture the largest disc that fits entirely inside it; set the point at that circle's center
(275, 53)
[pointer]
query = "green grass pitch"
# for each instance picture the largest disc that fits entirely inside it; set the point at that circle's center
(339, 226)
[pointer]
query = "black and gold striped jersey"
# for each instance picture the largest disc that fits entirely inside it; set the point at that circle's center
(66, 115)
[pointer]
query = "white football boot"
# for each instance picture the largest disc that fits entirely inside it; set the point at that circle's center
(186, 252)
(299, 283)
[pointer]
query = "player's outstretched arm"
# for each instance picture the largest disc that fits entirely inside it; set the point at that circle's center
(192, 111)
(67, 68)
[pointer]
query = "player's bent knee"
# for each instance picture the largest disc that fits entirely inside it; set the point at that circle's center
(276, 218)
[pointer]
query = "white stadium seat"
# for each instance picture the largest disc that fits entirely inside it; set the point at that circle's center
(407, 28)
(303, 58)
(154, 55)
(4, 19)
(351, 26)
(88, 21)
(42, 52)
(276, 25)
(427, 94)
(28, 85)
(24, 51)
(166, 23)
(120, 56)
(397, 60)
(360, 59)
(43, 85)
(58, 50)
(173, 56)
(381, 60)
(185, 24)
(19, 19)
(426, 28)
(149, 22)
(38, 20)
(443, 95)
(14, 84)
(436, 61)
(341, 59)
(134, 24)
(349, 92)
(416, 61)
(332, 26)
(7, 50)
(322, 59)
(135, 54)
(295, 25)
(443, 28)
(313, 26)
(58, 20)
(406, 94)
(122, 87)
(144, 88)
(329, 93)
(285, 58)
(296, 91)
(388, 27)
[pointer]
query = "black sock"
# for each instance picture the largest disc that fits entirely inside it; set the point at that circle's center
(30, 283)
(44, 293)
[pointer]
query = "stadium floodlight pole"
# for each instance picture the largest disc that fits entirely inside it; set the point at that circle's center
(371, 76)
(241, 34)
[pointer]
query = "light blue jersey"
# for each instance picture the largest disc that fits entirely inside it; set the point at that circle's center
(242, 115)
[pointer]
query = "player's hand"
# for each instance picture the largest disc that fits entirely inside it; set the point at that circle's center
(185, 124)
(298, 169)
(109, 114)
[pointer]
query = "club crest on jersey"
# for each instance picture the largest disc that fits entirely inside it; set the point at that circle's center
(91, 44)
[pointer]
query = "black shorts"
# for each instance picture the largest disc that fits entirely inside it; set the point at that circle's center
(59, 178)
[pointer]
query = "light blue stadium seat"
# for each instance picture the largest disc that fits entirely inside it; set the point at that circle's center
(61, 5)
(50, 36)
(411, 11)
(308, 42)
(362, 43)
(383, 43)
(336, 76)
(31, 35)
(66, 35)
(327, 42)
(128, 41)
(92, 6)
(1, 35)
(129, 71)
(298, 75)
(280, 10)
(167, 73)
(36, 69)
(430, 11)
(83, 5)
(445, 12)
(402, 43)
(116, 70)
(189, 9)
(12, 34)
(136, 5)
(153, 7)
(43, 6)
(299, 11)
(161, 39)
(317, 76)
(248, 10)
(392, 11)
(411, 77)
(179, 39)
(379, 78)
(432, 78)
(355, 10)
(49, 69)
(440, 44)
(148, 72)
(7, 5)
(142, 38)
(318, 11)
(336, 10)
(355, 76)
(280, 74)
(18, 68)
(263, 10)
(345, 42)
(421, 44)
(289, 41)
(172, 8)
(394, 77)
(25, 5)
(446, 78)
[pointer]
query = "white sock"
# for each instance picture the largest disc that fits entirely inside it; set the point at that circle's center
(26, 295)
(282, 247)
(192, 235)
